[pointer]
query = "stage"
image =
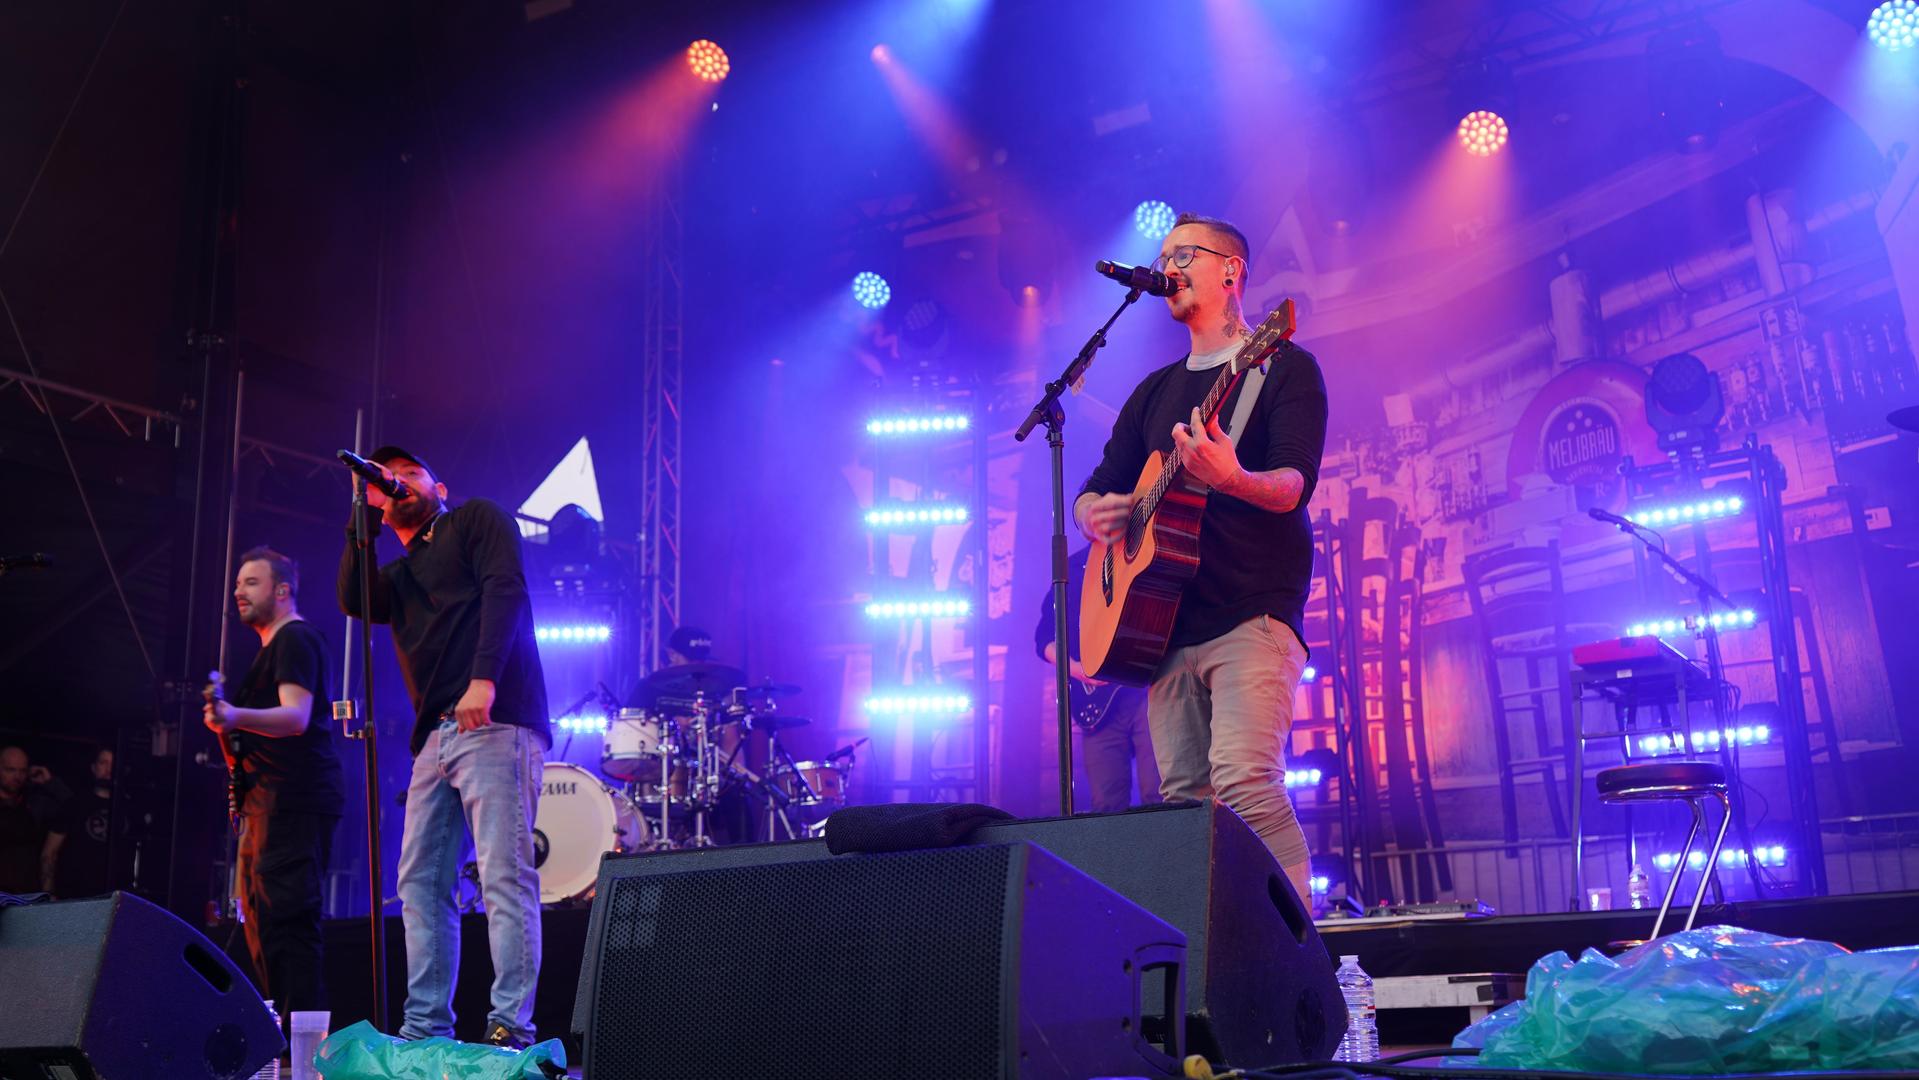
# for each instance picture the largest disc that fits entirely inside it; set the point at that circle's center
(1387, 948)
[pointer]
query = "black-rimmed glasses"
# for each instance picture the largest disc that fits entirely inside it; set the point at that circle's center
(1182, 257)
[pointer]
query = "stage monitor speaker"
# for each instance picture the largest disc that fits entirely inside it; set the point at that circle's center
(118, 989)
(1260, 988)
(971, 962)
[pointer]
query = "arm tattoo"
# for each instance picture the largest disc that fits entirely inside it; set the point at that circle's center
(1277, 491)
(1232, 315)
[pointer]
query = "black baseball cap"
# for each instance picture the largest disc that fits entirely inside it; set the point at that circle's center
(385, 455)
(689, 641)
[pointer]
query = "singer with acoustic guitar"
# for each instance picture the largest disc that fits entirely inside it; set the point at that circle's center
(289, 787)
(1221, 693)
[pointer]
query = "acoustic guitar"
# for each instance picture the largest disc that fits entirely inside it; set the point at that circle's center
(1132, 588)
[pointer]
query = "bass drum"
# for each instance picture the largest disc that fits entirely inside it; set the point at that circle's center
(579, 820)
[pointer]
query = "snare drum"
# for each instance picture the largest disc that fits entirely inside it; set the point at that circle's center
(632, 748)
(813, 783)
(578, 821)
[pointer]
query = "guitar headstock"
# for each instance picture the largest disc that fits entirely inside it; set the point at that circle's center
(1275, 328)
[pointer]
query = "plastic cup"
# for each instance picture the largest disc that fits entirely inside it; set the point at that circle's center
(309, 1031)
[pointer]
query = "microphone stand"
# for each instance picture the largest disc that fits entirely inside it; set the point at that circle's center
(363, 542)
(1048, 411)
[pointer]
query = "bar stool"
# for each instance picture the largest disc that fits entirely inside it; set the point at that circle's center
(1691, 781)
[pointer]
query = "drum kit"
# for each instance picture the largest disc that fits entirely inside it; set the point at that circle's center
(673, 763)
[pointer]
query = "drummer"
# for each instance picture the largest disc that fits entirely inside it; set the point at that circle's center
(687, 645)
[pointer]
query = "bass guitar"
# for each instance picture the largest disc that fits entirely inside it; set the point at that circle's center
(1132, 588)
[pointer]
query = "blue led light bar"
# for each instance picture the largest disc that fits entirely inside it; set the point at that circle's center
(884, 516)
(1703, 741)
(919, 609)
(573, 635)
(1775, 855)
(1303, 777)
(1684, 513)
(581, 725)
(918, 704)
(918, 425)
(1308, 673)
(1720, 620)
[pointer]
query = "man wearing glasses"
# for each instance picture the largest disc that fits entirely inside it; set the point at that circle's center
(1221, 703)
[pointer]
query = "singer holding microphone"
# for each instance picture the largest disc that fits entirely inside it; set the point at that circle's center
(463, 629)
(1221, 703)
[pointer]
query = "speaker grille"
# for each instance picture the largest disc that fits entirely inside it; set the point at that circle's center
(865, 965)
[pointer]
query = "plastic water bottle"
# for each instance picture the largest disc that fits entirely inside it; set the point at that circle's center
(1361, 1041)
(271, 1070)
(1638, 888)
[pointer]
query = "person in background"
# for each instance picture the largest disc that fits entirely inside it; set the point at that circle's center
(74, 861)
(30, 799)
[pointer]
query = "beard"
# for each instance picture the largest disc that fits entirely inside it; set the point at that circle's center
(414, 512)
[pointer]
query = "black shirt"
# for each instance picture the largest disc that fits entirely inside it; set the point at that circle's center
(1251, 561)
(85, 821)
(295, 773)
(458, 605)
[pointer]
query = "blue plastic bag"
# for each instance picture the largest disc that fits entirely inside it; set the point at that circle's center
(1715, 999)
(360, 1052)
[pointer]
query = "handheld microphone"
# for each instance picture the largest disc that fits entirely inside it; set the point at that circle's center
(1609, 518)
(368, 471)
(1144, 278)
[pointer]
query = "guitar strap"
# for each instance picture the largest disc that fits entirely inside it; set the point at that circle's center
(1248, 393)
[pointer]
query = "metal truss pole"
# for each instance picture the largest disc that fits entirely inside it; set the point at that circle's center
(662, 339)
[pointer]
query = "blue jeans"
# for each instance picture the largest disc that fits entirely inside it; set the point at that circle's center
(490, 778)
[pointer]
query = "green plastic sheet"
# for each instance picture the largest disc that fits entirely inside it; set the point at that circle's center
(1714, 999)
(361, 1052)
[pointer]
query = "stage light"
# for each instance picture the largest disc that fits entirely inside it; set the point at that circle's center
(581, 725)
(1764, 855)
(894, 426)
(573, 635)
(1153, 219)
(1684, 403)
(707, 60)
(1320, 883)
(1719, 620)
(918, 704)
(915, 515)
(871, 290)
(1303, 777)
(919, 609)
(1894, 25)
(881, 54)
(1705, 508)
(1308, 673)
(1483, 133)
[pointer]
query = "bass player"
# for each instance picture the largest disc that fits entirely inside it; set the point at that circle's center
(1221, 701)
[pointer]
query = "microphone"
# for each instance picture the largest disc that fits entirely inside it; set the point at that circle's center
(1609, 518)
(1143, 278)
(39, 560)
(368, 471)
(847, 750)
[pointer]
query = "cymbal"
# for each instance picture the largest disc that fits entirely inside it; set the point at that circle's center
(779, 723)
(772, 689)
(1907, 418)
(687, 680)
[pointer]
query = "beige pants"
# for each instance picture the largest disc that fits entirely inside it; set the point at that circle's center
(1219, 713)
